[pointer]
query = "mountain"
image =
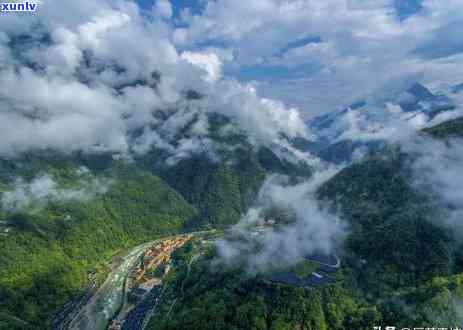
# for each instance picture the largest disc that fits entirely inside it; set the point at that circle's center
(223, 178)
(341, 132)
(415, 101)
(399, 266)
(63, 215)
(406, 253)
(48, 246)
(452, 128)
(146, 183)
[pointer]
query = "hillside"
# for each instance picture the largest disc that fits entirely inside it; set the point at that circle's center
(391, 229)
(451, 128)
(63, 215)
(398, 266)
(345, 133)
(396, 247)
(202, 294)
(222, 180)
(47, 250)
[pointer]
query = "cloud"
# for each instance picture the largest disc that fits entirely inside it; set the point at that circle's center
(390, 116)
(163, 8)
(209, 62)
(362, 45)
(436, 169)
(37, 192)
(90, 77)
(314, 229)
(389, 123)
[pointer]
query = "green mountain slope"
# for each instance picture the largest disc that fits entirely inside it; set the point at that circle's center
(222, 192)
(221, 186)
(47, 252)
(50, 244)
(205, 294)
(390, 227)
(398, 267)
(397, 257)
(451, 128)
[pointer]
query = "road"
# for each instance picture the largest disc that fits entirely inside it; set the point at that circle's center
(105, 303)
(70, 310)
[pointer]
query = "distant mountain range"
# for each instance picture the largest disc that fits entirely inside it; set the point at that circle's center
(341, 132)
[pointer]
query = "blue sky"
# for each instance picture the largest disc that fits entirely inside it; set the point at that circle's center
(405, 9)
(177, 5)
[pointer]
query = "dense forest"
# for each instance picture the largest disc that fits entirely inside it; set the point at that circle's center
(47, 251)
(207, 294)
(398, 268)
(48, 245)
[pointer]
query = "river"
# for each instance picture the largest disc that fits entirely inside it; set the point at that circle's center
(103, 306)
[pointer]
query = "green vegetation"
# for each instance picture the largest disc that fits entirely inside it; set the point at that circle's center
(221, 192)
(398, 268)
(47, 253)
(436, 303)
(451, 128)
(396, 255)
(202, 293)
(304, 268)
(207, 295)
(223, 188)
(51, 245)
(390, 227)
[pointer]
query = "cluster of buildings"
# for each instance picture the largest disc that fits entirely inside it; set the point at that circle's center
(157, 255)
(139, 285)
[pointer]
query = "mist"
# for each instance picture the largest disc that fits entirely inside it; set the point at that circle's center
(311, 229)
(34, 194)
(437, 167)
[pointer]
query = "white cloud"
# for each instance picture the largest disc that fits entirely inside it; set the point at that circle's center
(315, 230)
(436, 169)
(90, 74)
(209, 62)
(363, 45)
(36, 193)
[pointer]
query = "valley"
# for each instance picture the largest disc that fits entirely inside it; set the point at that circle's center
(230, 165)
(128, 288)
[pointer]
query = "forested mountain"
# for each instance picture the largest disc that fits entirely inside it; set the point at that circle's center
(65, 215)
(399, 266)
(173, 164)
(49, 246)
